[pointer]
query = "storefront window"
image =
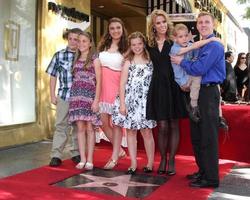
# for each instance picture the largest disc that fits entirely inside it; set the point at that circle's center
(17, 61)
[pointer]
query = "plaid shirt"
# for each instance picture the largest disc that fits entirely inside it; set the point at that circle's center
(61, 66)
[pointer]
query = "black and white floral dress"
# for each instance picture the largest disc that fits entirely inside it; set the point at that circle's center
(136, 90)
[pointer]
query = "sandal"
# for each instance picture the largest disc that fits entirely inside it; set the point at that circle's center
(89, 166)
(80, 165)
(110, 164)
(122, 154)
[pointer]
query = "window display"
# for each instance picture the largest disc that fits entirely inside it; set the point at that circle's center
(17, 62)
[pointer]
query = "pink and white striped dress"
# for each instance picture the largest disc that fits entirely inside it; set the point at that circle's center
(111, 71)
(82, 94)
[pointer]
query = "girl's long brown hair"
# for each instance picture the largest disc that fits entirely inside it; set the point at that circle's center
(106, 39)
(90, 54)
(151, 30)
(130, 54)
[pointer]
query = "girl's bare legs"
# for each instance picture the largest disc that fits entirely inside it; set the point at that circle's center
(132, 147)
(106, 126)
(81, 135)
(117, 138)
(149, 145)
(108, 130)
(90, 142)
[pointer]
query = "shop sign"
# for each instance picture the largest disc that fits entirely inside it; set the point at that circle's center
(70, 14)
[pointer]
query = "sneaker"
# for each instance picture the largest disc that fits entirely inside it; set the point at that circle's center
(55, 162)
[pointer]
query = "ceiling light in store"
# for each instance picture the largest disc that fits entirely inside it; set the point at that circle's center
(101, 6)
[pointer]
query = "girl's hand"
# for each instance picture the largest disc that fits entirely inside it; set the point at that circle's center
(123, 109)
(95, 106)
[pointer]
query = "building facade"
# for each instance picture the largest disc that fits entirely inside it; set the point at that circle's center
(33, 33)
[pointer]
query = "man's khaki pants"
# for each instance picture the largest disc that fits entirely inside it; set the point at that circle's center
(63, 131)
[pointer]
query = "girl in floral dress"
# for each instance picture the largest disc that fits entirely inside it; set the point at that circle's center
(84, 98)
(130, 106)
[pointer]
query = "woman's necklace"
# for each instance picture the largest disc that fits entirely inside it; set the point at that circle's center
(159, 42)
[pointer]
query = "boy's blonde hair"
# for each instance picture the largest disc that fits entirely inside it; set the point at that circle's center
(179, 27)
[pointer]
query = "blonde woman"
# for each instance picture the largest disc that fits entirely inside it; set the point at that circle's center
(165, 102)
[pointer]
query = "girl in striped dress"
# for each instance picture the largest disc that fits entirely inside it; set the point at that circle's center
(84, 98)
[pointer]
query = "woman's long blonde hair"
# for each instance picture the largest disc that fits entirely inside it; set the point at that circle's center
(91, 52)
(151, 30)
(130, 54)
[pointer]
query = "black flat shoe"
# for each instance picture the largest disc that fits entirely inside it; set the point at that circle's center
(171, 173)
(194, 176)
(131, 171)
(55, 162)
(147, 169)
(160, 172)
(162, 167)
(202, 183)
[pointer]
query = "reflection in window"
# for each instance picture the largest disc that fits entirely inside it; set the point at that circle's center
(17, 61)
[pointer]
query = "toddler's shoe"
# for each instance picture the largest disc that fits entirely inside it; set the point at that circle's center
(194, 113)
(223, 124)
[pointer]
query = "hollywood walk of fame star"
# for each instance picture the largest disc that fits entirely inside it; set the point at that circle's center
(118, 184)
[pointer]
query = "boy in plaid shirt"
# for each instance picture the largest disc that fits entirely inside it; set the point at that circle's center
(60, 68)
